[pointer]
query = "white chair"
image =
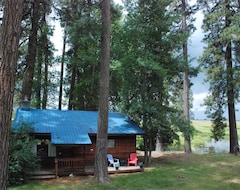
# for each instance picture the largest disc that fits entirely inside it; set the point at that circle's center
(113, 161)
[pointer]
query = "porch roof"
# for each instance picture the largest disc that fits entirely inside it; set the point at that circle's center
(73, 127)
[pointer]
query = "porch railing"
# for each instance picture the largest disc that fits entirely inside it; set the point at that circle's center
(70, 165)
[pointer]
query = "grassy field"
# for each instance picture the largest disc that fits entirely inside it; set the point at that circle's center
(168, 172)
(172, 171)
(202, 133)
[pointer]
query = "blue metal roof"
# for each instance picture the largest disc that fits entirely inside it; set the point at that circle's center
(73, 127)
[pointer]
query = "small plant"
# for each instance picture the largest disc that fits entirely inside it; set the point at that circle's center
(117, 165)
(141, 165)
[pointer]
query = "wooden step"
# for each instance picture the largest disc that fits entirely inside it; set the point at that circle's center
(41, 177)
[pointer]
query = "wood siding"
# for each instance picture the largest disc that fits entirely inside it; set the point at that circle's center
(124, 145)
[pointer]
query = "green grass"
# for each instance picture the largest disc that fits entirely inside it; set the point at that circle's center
(168, 172)
(202, 133)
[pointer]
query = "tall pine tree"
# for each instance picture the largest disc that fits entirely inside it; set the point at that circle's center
(221, 27)
(9, 42)
(149, 47)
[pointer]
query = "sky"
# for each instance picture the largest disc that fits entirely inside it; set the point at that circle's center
(199, 88)
(195, 49)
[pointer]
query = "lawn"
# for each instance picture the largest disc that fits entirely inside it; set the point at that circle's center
(172, 171)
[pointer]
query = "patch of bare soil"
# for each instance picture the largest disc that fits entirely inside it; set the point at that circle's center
(155, 154)
(67, 180)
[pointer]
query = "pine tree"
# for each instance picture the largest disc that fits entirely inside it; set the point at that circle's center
(221, 27)
(83, 31)
(100, 169)
(150, 68)
(31, 54)
(10, 35)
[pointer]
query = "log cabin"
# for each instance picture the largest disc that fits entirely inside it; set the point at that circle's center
(67, 139)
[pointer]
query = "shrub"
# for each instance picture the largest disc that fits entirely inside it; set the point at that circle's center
(21, 158)
(139, 143)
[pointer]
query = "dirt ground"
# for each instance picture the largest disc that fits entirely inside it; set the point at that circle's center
(155, 154)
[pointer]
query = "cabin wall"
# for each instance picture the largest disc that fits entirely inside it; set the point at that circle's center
(123, 146)
(119, 146)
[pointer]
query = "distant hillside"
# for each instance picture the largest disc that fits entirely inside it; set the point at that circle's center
(203, 134)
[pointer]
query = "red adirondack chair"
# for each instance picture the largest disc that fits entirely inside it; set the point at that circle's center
(133, 159)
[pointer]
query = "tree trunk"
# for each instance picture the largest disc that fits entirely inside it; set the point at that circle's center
(62, 70)
(231, 105)
(45, 83)
(101, 170)
(230, 87)
(39, 78)
(145, 141)
(46, 55)
(11, 30)
(150, 151)
(146, 158)
(72, 84)
(31, 55)
(187, 139)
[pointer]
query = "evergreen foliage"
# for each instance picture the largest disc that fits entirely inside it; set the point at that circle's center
(148, 69)
(44, 80)
(220, 62)
(21, 158)
(83, 28)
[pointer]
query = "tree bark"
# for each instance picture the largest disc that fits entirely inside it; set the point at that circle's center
(62, 70)
(46, 57)
(11, 30)
(72, 84)
(230, 89)
(231, 104)
(101, 170)
(45, 83)
(39, 78)
(187, 139)
(31, 55)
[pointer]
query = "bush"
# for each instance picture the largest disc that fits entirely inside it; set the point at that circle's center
(21, 158)
(139, 143)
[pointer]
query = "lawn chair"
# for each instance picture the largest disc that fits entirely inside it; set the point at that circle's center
(113, 161)
(133, 159)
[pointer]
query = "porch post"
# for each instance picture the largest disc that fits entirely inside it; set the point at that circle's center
(56, 168)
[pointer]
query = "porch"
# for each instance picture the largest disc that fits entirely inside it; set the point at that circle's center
(88, 171)
(77, 167)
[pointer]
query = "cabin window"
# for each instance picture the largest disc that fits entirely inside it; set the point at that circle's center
(42, 149)
(111, 143)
